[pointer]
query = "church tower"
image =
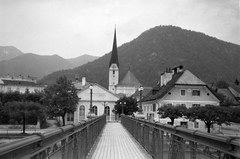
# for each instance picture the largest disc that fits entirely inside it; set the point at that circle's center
(113, 67)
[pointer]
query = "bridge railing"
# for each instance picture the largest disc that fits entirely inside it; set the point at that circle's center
(69, 142)
(163, 141)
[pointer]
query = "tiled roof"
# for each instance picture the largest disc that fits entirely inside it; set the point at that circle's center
(158, 92)
(145, 91)
(129, 80)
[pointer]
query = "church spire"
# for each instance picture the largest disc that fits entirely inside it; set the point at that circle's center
(114, 55)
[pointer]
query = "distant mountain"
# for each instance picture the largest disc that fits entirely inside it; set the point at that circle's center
(156, 49)
(78, 61)
(34, 65)
(9, 52)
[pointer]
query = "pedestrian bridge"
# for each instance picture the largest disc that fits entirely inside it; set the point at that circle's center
(132, 138)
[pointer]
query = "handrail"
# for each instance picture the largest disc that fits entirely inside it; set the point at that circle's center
(36, 143)
(227, 145)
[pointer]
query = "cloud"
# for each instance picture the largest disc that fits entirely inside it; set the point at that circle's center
(70, 28)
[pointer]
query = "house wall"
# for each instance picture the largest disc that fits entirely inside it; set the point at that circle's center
(174, 96)
(100, 98)
(21, 89)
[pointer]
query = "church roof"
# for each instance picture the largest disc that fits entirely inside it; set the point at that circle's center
(114, 55)
(129, 80)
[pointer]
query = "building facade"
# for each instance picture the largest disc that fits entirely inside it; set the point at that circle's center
(19, 83)
(178, 87)
(103, 102)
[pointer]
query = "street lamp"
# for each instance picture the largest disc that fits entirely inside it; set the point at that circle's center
(91, 113)
(122, 103)
(140, 114)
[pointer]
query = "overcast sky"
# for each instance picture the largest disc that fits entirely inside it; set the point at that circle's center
(71, 28)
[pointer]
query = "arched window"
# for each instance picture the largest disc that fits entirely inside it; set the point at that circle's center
(82, 112)
(95, 110)
(107, 110)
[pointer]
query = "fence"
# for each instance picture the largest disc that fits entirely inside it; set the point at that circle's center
(69, 142)
(164, 141)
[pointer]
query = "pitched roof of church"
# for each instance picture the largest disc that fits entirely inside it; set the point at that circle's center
(129, 80)
(114, 55)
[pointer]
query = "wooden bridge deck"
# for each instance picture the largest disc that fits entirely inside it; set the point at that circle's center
(115, 142)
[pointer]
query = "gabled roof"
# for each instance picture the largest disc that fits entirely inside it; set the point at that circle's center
(228, 93)
(81, 88)
(129, 80)
(114, 55)
(189, 78)
(179, 78)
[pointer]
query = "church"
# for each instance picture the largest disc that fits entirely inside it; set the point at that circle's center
(129, 83)
(101, 99)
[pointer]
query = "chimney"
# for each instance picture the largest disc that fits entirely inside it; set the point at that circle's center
(83, 81)
(166, 76)
(180, 68)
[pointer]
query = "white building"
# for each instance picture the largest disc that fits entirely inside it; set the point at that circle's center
(103, 101)
(20, 84)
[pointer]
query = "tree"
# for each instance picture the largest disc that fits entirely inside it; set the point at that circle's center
(209, 114)
(60, 98)
(235, 114)
(172, 112)
(128, 104)
(24, 112)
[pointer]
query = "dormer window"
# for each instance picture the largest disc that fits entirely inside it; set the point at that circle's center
(195, 92)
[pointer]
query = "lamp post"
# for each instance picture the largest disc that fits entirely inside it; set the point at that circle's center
(122, 103)
(91, 113)
(140, 114)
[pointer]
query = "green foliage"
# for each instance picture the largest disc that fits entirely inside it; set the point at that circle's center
(23, 113)
(129, 105)
(172, 112)
(209, 114)
(19, 97)
(60, 98)
(235, 114)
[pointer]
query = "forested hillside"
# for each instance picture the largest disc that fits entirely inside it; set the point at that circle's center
(165, 46)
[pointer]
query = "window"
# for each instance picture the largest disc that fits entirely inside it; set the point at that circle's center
(183, 92)
(95, 110)
(70, 117)
(196, 125)
(184, 124)
(107, 110)
(169, 104)
(113, 73)
(154, 107)
(184, 105)
(195, 105)
(196, 92)
(82, 112)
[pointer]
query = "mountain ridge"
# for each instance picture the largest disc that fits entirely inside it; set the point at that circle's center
(160, 47)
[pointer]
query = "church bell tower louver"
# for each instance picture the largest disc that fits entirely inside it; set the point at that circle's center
(113, 66)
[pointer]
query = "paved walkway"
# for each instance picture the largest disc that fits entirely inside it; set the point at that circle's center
(116, 142)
